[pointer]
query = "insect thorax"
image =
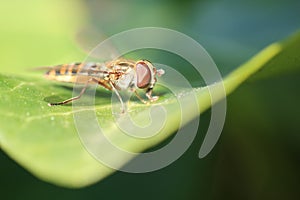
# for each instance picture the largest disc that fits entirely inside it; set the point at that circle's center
(126, 80)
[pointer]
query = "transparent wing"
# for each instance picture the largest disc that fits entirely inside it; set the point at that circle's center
(88, 38)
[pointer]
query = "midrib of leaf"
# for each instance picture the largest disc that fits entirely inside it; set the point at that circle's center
(241, 74)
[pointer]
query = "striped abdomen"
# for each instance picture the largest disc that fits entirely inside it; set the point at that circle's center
(76, 72)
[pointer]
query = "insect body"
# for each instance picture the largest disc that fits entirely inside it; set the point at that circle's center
(117, 75)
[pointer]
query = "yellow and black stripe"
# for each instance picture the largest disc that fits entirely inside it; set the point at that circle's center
(65, 72)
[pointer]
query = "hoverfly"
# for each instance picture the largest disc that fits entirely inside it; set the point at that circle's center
(116, 75)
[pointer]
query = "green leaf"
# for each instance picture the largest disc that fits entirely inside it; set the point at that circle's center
(44, 139)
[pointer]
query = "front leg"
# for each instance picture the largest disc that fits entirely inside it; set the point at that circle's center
(149, 95)
(140, 98)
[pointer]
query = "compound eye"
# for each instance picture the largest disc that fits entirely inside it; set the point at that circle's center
(143, 74)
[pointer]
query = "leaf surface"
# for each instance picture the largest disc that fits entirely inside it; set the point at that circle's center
(44, 139)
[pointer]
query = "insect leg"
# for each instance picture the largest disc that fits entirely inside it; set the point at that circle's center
(149, 95)
(77, 97)
(104, 84)
(118, 95)
(139, 97)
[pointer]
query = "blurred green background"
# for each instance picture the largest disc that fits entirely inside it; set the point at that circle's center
(258, 154)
